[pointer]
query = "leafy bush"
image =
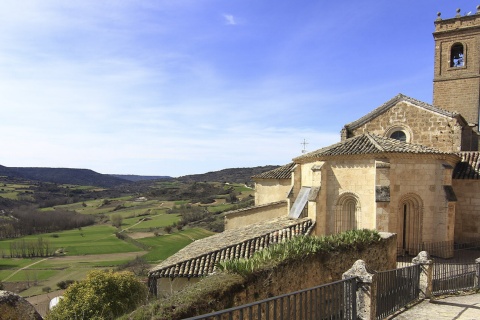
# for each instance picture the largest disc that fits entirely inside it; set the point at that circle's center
(64, 284)
(116, 220)
(103, 295)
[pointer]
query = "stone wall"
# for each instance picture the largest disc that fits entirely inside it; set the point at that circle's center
(348, 176)
(421, 126)
(289, 277)
(420, 179)
(248, 216)
(317, 270)
(271, 190)
(467, 217)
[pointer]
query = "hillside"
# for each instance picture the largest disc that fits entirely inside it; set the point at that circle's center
(233, 175)
(88, 177)
(135, 178)
(83, 177)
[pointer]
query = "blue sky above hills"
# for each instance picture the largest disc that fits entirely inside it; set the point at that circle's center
(189, 86)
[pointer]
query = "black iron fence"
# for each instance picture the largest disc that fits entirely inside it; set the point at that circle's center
(466, 251)
(391, 290)
(396, 289)
(331, 301)
(452, 277)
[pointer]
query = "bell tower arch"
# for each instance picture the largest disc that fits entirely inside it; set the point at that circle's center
(456, 82)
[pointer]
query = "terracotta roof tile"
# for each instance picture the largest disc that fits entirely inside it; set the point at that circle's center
(368, 143)
(469, 165)
(200, 257)
(283, 172)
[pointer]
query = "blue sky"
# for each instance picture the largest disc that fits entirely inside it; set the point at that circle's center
(189, 86)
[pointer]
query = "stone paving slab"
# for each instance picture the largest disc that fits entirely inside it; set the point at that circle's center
(465, 307)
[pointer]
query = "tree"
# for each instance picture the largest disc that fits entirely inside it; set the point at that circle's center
(117, 220)
(168, 229)
(103, 295)
(232, 197)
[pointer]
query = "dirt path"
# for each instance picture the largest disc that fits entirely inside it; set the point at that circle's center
(101, 257)
(26, 267)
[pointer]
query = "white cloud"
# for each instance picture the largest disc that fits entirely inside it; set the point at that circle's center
(229, 19)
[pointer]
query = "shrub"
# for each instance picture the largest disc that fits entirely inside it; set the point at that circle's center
(103, 295)
(64, 284)
(116, 219)
(46, 289)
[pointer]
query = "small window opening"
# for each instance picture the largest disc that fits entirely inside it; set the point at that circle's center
(456, 56)
(399, 135)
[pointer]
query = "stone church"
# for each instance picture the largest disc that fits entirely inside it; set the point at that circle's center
(407, 167)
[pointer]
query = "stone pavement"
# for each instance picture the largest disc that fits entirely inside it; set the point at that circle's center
(465, 307)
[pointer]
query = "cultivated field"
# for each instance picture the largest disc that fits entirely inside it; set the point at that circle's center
(142, 233)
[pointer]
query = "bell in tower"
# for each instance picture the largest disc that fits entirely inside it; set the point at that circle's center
(456, 82)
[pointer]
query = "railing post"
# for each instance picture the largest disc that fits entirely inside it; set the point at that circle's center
(426, 271)
(366, 291)
(477, 274)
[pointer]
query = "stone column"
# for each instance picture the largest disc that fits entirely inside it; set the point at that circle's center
(426, 271)
(366, 292)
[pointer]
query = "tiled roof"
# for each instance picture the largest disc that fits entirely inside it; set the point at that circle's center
(200, 257)
(265, 205)
(283, 172)
(469, 166)
(368, 143)
(392, 102)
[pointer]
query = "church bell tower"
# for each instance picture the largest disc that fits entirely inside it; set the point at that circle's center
(456, 82)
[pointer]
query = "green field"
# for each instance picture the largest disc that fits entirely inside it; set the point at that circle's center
(99, 239)
(146, 223)
(166, 245)
(96, 247)
(90, 248)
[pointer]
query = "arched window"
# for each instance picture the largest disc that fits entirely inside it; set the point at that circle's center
(346, 216)
(457, 56)
(399, 131)
(399, 135)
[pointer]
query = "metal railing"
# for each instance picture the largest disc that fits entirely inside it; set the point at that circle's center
(446, 250)
(336, 300)
(451, 277)
(396, 289)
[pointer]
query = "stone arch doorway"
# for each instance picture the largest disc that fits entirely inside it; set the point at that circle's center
(410, 214)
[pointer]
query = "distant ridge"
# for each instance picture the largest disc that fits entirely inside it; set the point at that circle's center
(135, 178)
(6, 171)
(235, 175)
(84, 177)
(87, 177)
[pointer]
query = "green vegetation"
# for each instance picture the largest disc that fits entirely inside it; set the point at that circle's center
(299, 248)
(98, 239)
(103, 295)
(164, 246)
(139, 214)
(235, 274)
